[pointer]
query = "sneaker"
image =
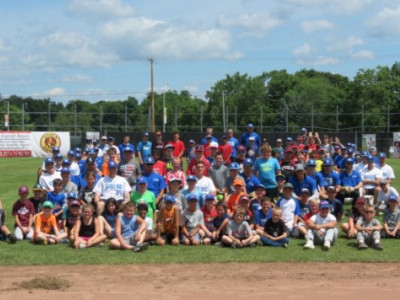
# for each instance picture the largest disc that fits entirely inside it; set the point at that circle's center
(378, 246)
(362, 246)
(145, 246)
(137, 248)
(252, 245)
(233, 246)
(218, 244)
(285, 245)
(82, 245)
(327, 245)
(12, 238)
(309, 245)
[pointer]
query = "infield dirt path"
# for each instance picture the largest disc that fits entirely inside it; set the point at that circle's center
(211, 281)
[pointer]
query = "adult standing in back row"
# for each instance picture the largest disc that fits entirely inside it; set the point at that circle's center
(250, 133)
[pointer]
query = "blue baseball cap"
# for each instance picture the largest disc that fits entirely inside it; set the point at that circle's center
(110, 138)
(49, 160)
(169, 198)
(149, 160)
(71, 196)
(127, 149)
(141, 180)
(192, 196)
(209, 197)
(66, 161)
(393, 198)
(289, 139)
(370, 158)
(55, 149)
(364, 153)
(324, 204)
(343, 148)
(350, 150)
(191, 142)
(260, 186)
(89, 161)
(327, 162)
(77, 155)
(311, 163)
(191, 178)
(234, 166)
(112, 164)
(145, 134)
(250, 125)
(248, 162)
(303, 130)
(65, 170)
(349, 161)
(92, 152)
(382, 155)
(58, 155)
(77, 149)
(71, 152)
(86, 149)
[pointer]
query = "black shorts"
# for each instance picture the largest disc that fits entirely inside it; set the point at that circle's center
(168, 238)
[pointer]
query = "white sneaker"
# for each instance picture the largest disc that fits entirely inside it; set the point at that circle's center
(327, 245)
(309, 245)
(82, 245)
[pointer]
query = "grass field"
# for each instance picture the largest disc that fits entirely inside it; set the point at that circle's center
(18, 171)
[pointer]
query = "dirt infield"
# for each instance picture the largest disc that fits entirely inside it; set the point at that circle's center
(212, 281)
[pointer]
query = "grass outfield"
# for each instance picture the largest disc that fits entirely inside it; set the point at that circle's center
(18, 171)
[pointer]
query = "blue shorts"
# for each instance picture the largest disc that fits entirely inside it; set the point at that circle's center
(196, 237)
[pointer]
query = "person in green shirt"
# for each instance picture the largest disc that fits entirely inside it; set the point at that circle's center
(142, 194)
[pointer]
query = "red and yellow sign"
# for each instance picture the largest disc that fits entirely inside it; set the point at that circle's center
(50, 140)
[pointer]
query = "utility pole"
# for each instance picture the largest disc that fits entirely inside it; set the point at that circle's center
(153, 119)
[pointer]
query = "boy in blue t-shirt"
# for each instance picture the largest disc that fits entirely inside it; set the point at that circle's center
(336, 207)
(263, 215)
(58, 199)
(219, 223)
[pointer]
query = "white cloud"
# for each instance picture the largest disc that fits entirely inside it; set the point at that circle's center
(304, 50)
(319, 60)
(257, 24)
(347, 44)
(385, 23)
(76, 78)
(139, 38)
(56, 91)
(100, 8)
(75, 49)
(317, 25)
(337, 7)
(363, 55)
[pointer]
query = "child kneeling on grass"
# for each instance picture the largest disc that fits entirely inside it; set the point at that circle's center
(275, 231)
(168, 223)
(322, 228)
(130, 230)
(46, 229)
(238, 232)
(369, 230)
(87, 229)
(391, 219)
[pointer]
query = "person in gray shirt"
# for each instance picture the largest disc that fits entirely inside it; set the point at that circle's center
(129, 168)
(219, 173)
(391, 219)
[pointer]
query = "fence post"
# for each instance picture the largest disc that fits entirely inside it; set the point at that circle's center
(23, 116)
(49, 115)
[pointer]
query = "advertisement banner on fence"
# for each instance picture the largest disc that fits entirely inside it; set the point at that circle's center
(37, 144)
(368, 141)
(396, 144)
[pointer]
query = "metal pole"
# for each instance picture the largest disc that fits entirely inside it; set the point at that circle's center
(163, 119)
(8, 115)
(337, 118)
(153, 118)
(75, 118)
(223, 110)
(23, 116)
(49, 115)
(126, 119)
(388, 119)
(227, 118)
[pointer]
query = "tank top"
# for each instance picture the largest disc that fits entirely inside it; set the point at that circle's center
(87, 230)
(128, 226)
(168, 221)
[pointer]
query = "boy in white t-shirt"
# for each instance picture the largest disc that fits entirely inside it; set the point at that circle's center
(322, 228)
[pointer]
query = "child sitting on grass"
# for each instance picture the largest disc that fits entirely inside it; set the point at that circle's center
(391, 219)
(130, 230)
(275, 233)
(58, 199)
(369, 230)
(263, 215)
(192, 220)
(355, 214)
(70, 217)
(23, 211)
(168, 223)
(108, 218)
(210, 212)
(4, 231)
(238, 233)
(87, 229)
(46, 229)
(219, 223)
(143, 209)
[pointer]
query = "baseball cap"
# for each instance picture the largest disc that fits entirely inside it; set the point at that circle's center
(37, 187)
(248, 162)
(224, 137)
(242, 148)
(75, 203)
(191, 178)
(289, 139)
(279, 140)
(244, 197)
(299, 167)
(364, 153)
(142, 204)
(192, 196)
(199, 148)
(71, 195)
(103, 137)
(128, 149)
(360, 200)
(169, 146)
(169, 198)
(175, 179)
(311, 163)
(77, 149)
(250, 125)
(370, 158)
(214, 145)
(191, 141)
(58, 155)
(331, 188)
(327, 162)
(141, 180)
(48, 204)
(23, 190)
(95, 142)
(65, 170)
(66, 161)
(149, 160)
(209, 197)
(77, 155)
(349, 161)
(238, 182)
(350, 150)
(382, 155)
(372, 149)
(260, 186)
(382, 181)
(89, 161)
(324, 204)
(112, 164)
(280, 177)
(49, 160)
(321, 150)
(288, 150)
(393, 198)
(234, 166)
(71, 153)
(288, 185)
(305, 190)
(55, 149)
(303, 129)
(276, 150)
(92, 152)
(110, 138)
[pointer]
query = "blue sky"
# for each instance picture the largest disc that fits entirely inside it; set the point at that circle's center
(99, 50)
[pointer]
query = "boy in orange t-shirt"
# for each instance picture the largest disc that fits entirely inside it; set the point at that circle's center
(46, 230)
(233, 198)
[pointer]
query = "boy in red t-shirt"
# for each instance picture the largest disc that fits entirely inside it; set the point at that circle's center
(209, 212)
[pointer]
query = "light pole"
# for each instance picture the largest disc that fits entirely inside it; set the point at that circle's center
(23, 116)
(8, 116)
(164, 108)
